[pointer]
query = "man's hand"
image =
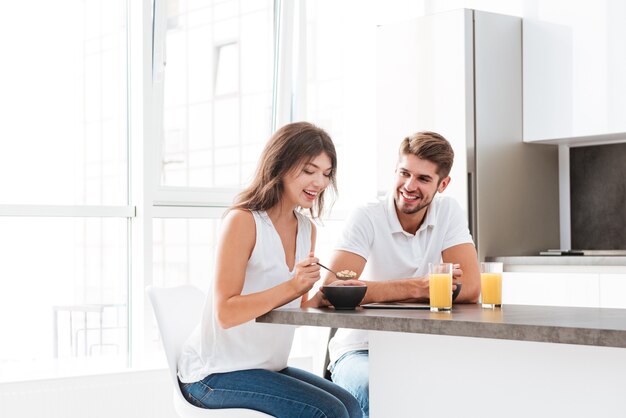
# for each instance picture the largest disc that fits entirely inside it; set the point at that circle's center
(457, 273)
(464, 255)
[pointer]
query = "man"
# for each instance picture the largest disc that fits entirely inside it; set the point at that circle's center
(389, 245)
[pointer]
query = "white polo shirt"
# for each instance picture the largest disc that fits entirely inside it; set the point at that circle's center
(374, 232)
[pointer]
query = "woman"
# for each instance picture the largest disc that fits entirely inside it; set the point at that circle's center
(265, 260)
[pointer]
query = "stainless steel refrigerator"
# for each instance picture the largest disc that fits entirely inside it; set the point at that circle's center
(459, 73)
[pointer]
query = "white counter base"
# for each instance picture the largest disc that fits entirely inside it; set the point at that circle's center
(523, 379)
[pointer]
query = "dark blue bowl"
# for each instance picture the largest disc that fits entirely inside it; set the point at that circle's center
(344, 297)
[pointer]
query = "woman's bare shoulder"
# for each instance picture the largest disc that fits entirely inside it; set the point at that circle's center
(240, 222)
(238, 232)
(239, 215)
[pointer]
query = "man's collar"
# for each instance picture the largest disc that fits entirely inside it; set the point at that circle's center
(392, 215)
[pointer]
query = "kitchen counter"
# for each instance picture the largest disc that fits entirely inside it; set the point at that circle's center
(548, 324)
(561, 260)
(530, 360)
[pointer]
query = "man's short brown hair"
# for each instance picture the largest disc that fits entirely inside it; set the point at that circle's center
(432, 147)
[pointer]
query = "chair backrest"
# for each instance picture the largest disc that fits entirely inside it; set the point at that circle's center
(177, 311)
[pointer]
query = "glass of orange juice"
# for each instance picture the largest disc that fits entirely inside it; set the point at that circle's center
(491, 285)
(440, 286)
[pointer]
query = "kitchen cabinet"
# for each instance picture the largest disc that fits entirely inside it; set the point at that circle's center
(582, 289)
(574, 89)
(551, 289)
(613, 290)
(459, 73)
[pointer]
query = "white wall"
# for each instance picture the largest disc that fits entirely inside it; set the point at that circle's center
(121, 395)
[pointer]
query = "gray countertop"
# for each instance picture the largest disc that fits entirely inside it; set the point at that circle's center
(566, 325)
(552, 260)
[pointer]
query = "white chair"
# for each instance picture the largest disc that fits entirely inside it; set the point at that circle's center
(325, 372)
(177, 311)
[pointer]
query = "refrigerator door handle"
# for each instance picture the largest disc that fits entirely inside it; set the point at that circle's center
(471, 207)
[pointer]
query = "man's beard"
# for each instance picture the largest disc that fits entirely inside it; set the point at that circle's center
(412, 210)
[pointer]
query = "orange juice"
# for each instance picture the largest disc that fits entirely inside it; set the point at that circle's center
(440, 290)
(491, 284)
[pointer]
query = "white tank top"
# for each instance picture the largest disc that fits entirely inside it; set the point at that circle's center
(212, 349)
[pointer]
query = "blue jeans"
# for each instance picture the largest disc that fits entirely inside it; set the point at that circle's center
(288, 393)
(351, 372)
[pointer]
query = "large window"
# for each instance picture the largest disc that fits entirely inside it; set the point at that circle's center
(64, 100)
(217, 115)
(217, 91)
(64, 202)
(216, 96)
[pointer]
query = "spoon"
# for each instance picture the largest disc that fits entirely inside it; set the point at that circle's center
(323, 266)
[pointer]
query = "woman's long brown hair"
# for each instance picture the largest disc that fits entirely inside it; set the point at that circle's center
(288, 149)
